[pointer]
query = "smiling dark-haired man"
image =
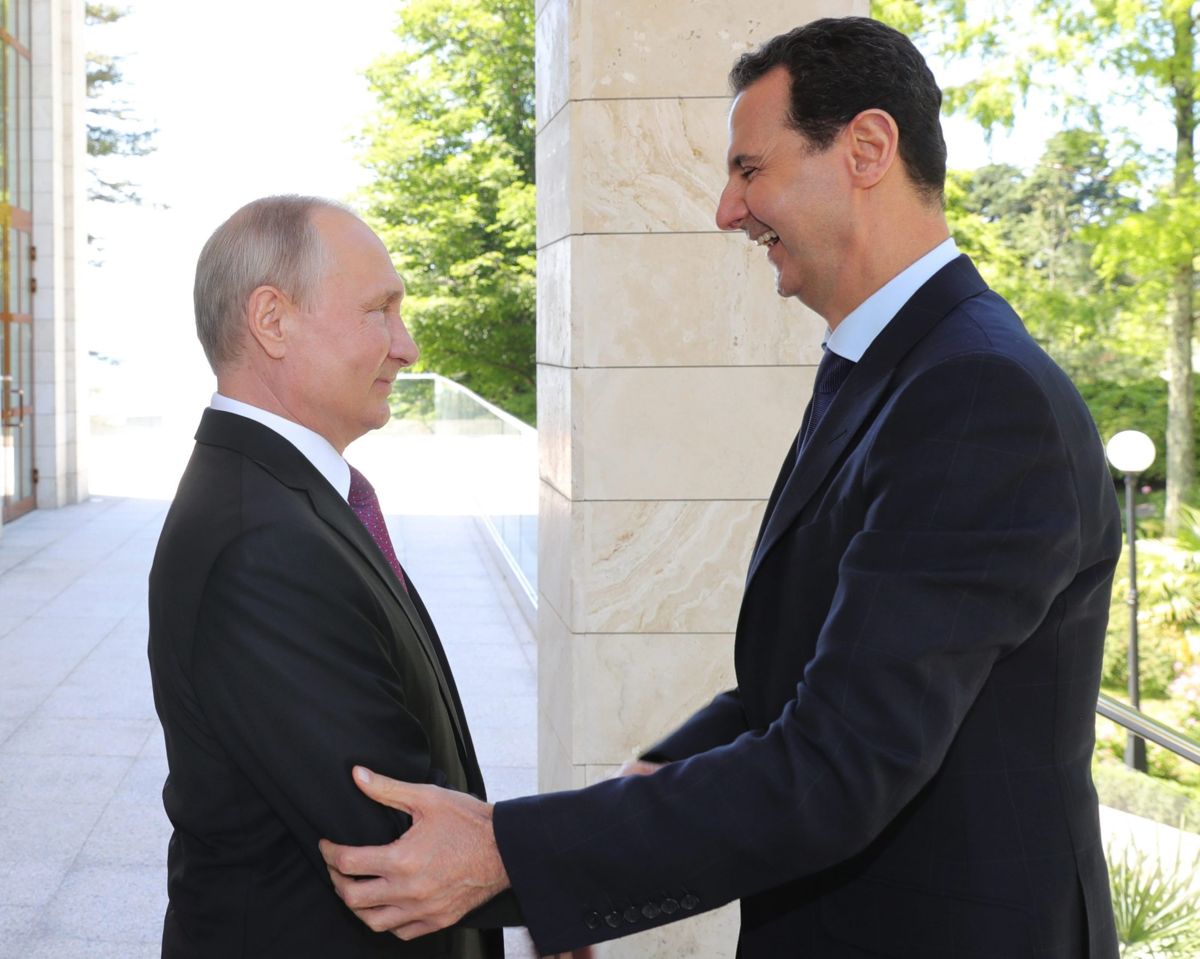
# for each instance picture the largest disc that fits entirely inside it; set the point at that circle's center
(903, 767)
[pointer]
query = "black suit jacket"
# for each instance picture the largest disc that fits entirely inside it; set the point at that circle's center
(903, 768)
(283, 650)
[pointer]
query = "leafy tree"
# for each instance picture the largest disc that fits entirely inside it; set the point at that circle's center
(1035, 236)
(112, 127)
(451, 150)
(1126, 52)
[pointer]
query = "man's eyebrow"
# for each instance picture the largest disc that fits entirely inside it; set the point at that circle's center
(742, 160)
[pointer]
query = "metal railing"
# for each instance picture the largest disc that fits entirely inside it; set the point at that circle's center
(1138, 723)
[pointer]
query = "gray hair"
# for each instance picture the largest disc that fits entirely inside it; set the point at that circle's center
(272, 241)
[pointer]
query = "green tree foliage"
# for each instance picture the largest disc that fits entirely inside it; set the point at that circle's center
(1099, 59)
(1127, 403)
(451, 150)
(1035, 235)
(1168, 616)
(112, 127)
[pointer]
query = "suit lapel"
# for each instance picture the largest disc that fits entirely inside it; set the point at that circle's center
(337, 513)
(292, 468)
(860, 395)
(855, 400)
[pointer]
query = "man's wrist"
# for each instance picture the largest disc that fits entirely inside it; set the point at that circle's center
(496, 862)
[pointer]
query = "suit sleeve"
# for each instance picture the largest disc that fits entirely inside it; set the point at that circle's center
(971, 530)
(292, 669)
(718, 723)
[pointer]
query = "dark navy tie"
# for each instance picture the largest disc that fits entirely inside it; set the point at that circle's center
(831, 374)
(365, 503)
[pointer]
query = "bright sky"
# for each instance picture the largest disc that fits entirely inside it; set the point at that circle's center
(252, 97)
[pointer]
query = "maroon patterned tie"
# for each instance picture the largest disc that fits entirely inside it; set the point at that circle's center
(365, 504)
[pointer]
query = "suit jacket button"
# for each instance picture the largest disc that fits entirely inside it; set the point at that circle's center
(592, 920)
(613, 919)
(632, 914)
(650, 910)
(689, 902)
(669, 906)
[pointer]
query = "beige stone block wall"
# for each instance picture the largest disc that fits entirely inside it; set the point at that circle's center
(614, 49)
(684, 433)
(614, 719)
(631, 300)
(74, 239)
(667, 566)
(58, 164)
(676, 432)
(671, 379)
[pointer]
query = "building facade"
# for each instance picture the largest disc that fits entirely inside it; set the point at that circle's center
(41, 160)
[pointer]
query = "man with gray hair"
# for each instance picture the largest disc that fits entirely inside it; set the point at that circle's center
(286, 642)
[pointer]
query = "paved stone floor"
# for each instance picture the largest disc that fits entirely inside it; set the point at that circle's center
(82, 832)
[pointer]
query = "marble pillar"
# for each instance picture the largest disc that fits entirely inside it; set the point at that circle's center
(671, 378)
(59, 161)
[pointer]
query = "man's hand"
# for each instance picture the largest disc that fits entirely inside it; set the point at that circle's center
(442, 868)
(637, 767)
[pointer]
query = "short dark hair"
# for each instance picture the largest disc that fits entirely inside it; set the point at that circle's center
(840, 66)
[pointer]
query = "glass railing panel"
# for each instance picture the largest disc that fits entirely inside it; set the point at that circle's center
(487, 455)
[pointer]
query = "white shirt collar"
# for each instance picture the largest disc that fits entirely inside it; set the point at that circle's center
(860, 327)
(316, 449)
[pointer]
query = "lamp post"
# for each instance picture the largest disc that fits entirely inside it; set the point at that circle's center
(1132, 452)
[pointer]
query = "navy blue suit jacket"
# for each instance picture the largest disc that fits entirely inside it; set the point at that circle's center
(903, 768)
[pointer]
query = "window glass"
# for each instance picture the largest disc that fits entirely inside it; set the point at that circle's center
(23, 273)
(6, 346)
(25, 137)
(23, 26)
(10, 16)
(20, 346)
(7, 302)
(7, 438)
(5, 53)
(25, 433)
(16, 361)
(10, 125)
(13, 271)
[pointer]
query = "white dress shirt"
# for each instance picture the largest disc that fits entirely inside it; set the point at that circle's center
(314, 447)
(860, 327)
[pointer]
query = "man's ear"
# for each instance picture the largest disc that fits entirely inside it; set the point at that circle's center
(874, 142)
(266, 310)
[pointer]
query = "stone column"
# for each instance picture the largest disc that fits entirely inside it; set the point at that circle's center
(58, 147)
(671, 378)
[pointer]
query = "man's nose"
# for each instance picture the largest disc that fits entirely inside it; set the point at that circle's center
(731, 208)
(404, 347)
